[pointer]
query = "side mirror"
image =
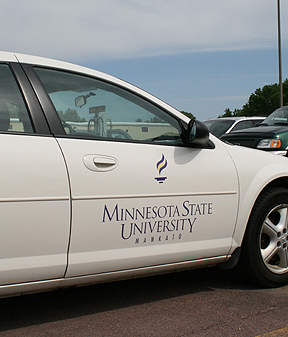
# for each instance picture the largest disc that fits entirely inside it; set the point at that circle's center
(80, 101)
(198, 133)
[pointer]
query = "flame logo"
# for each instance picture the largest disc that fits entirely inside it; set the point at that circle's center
(162, 164)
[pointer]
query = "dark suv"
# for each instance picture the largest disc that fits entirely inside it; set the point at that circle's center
(270, 135)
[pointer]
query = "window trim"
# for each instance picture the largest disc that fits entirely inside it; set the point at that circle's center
(34, 109)
(44, 100)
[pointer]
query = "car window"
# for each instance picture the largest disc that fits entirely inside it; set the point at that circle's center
(278, 117)
(256, 122)
(242, 125)
(89, 107)
(13, 112)
(219, 126)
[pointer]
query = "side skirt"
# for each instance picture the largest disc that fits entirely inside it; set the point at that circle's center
(46, 285)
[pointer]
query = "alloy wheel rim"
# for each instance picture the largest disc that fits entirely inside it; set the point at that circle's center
(274, 240)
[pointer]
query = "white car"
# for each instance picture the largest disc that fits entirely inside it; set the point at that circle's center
(101, 181)
(223, 125)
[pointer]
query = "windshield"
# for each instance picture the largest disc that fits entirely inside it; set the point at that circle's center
(278, 117)
(218, 127)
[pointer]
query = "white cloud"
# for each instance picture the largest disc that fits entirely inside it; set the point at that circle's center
(94, 29)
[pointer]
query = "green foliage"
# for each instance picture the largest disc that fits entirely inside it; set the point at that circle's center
(188, 114)
(262, 102)
(229, 113)
(70, 115)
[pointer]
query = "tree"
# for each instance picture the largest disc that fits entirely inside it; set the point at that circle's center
(70, 115)
(229, 113)
(188, 114)
(262, 102)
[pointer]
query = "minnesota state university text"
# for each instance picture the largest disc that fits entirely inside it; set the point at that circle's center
(156, 223)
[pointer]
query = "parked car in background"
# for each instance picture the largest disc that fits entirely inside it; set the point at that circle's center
(102, 181)
(221, 126)
(271, 135)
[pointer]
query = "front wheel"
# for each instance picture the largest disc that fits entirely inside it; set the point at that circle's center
(264, 255)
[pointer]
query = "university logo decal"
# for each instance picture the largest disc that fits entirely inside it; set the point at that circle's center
(161, 165)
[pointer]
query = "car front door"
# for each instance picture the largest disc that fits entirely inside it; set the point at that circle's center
(139, 196)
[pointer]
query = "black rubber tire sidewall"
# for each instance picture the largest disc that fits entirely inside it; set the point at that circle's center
(251, 260)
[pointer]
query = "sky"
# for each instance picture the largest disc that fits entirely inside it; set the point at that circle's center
(200, 56)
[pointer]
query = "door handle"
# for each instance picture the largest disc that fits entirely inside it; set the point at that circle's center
(100, 163)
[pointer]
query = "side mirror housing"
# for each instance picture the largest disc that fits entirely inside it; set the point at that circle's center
(80, 101)
(198, 134)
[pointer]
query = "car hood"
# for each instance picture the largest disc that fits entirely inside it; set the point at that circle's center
(257, 132)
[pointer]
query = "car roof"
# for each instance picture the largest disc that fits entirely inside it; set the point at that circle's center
(8, 57)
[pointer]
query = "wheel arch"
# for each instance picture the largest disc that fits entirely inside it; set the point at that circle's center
(244, 216)
(240, 231)
(279, 182)
(263, 257)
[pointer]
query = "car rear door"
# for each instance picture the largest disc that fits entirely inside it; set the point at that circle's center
(34, 193)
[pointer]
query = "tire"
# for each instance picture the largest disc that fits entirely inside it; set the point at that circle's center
(264, 256)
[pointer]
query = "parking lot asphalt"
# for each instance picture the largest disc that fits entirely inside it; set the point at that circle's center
(204, 302)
